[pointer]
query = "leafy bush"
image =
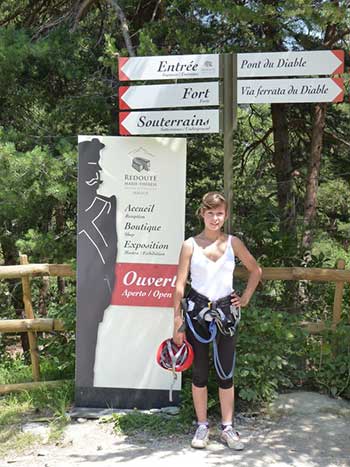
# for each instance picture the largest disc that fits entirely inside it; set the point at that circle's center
(58, 348)
(268, 354)
(328, 360)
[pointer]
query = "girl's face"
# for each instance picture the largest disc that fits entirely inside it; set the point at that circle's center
(214, 218)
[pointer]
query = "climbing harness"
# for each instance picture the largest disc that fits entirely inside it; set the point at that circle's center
(174, 358)
(222, 316)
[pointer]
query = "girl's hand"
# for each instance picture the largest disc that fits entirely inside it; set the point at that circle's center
(178, 337)
(237, 301)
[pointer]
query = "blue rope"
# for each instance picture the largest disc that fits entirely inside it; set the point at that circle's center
(213, 332)
(218, 367)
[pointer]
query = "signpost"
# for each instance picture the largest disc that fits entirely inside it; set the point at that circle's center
(169, 95)
(303, 63)
(169, 122)
(229, 67)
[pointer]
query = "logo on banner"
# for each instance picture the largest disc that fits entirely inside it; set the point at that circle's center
(142, 176)
(140, 163)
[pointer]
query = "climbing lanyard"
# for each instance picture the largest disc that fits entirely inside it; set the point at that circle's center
(226, 324)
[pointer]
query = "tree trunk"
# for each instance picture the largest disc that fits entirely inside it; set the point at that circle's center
(285, 196)
(282, 159)
(284, 176)
(310, 204)
(43, 296)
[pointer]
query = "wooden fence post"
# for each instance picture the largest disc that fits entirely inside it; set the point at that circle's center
(338, 296)
(28, 310)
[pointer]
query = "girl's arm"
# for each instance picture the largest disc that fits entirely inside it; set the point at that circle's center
(181, 278)
(242, 252)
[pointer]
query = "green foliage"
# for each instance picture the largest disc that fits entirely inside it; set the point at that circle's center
(53, 366)
(45, 401)
(154, 424)
(14, 370)
(328, 360)
(268, 351)
(57, 349)
(47, 404)
(146, 46)
(45, 193)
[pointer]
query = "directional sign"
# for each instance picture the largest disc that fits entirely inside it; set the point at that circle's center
(290, 90)
(169, 95)
(318, 62)
(169, 67)
(169, 122)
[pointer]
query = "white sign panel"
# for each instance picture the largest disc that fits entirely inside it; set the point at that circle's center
(168, 67)
(290, 90)
(169, 122)
(169, 95)
(318, 62)
(146, 179)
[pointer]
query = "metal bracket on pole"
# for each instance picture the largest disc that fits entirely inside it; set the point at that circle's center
(230, 123)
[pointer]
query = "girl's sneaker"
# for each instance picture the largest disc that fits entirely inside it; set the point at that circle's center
(231, 438)
(201, 437)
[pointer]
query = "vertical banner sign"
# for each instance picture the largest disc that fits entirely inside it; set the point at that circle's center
(131, 213)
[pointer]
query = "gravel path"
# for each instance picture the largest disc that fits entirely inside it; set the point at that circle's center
(303, 429)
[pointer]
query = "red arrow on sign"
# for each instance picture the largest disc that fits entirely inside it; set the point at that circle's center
(122, 75)
(340, 83)
(122, 130)
(340, 55)
(122, 104)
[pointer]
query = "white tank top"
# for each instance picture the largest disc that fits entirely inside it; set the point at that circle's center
(212, 278)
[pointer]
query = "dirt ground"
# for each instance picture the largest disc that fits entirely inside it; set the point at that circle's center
(301, 429)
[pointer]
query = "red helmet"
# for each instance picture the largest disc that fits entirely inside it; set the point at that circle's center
(174, 358)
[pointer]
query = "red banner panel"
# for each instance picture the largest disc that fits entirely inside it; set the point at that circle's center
(139, 284)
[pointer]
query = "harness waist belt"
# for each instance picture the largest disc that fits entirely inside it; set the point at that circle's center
(202, 301)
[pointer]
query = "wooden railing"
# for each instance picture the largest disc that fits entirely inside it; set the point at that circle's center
(31, 325)
(338, 275)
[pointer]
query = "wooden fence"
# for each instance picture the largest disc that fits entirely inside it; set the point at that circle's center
(32, 325)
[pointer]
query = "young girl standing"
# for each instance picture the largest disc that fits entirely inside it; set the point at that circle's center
(209, 258)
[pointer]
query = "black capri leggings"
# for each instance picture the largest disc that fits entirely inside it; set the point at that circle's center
(200, 369)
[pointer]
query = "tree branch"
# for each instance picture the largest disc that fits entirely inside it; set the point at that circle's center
(7, 20)
(251, 148)
(81, 11)
(337, 37)
(124, 26)
(155, 10)
(337, 138)
(48, 26)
